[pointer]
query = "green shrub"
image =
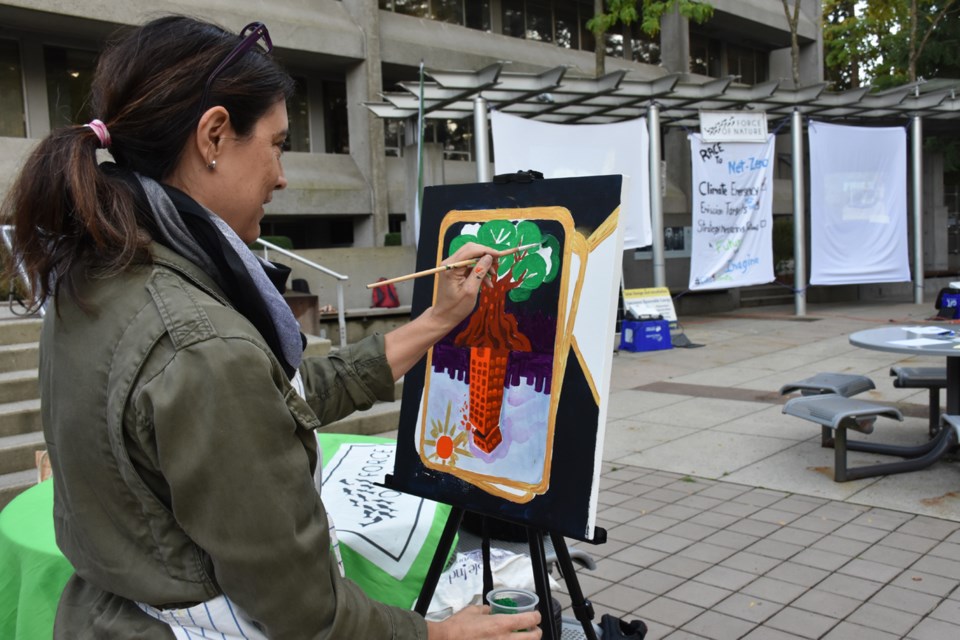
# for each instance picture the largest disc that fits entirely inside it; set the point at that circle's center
(392, 239)
(284, 242)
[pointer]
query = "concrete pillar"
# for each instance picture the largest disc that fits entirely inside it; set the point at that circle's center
(675, 42)
(935, 215)
(364, 83)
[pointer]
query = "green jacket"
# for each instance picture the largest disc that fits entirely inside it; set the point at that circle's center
(183, 462)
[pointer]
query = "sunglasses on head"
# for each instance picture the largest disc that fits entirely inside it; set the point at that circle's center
(254, 34)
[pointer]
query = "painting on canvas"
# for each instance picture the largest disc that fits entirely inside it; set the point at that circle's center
(505, 415)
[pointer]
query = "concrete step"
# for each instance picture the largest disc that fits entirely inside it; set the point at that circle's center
(17, 331)
(17, 452)
(13, 484)
(16, 357)
(19, 385)
(20, 417)
(383, 416)
(764, 295)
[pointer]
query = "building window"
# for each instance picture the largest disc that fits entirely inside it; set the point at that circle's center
(477, 14)
(643, 47)
(566, 27)
(474, 14)
(12, 115)
(393, 135)
(455, 136)
(512, 13)
(336, 128)
(310, 232)
(69, 75)
(539, 20)
(298, 112)
(749, 64)
(704, 55)
(447, 11)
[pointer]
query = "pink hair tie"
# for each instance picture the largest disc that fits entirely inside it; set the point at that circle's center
(101, 130)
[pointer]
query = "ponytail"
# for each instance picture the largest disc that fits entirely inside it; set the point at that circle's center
(70, 218)
(75, 218)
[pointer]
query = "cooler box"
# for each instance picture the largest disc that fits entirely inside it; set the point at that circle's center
(648, 335)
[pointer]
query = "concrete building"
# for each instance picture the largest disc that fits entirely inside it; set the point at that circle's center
(349, 182)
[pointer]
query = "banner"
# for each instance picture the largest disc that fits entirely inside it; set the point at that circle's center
(733, 126)
(577, 150)
(858, 204)
(732, 213)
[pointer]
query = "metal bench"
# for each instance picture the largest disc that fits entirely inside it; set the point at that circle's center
(841, 384)
(836, 414)
(930, 378)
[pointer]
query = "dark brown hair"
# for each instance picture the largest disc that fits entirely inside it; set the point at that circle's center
(73, 216)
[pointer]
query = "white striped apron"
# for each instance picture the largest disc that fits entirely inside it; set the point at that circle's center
(220, 618)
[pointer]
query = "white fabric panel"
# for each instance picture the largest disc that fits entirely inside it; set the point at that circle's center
(858, 204)
(577, 150)
(732, 213)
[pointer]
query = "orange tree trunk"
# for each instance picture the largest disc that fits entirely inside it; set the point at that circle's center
(491, 335)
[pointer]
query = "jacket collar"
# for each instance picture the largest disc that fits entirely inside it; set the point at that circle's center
(173, 260)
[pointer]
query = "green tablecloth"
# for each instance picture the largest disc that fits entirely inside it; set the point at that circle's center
(33, 572)
(32, 569)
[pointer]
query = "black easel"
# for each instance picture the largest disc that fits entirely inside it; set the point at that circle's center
(582, 608)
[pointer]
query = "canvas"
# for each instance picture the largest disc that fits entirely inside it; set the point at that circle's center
(505, 415)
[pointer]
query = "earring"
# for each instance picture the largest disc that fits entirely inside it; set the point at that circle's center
(212, 165)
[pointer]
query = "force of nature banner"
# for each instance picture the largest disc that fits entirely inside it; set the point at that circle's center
(732, 213)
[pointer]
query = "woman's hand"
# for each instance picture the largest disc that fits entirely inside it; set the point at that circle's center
(456, 296)
(457, 288)
(476, 623)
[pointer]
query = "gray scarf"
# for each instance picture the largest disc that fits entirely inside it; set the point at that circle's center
(175, 234)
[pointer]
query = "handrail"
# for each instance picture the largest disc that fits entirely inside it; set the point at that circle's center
(6, 232)
(341, 320)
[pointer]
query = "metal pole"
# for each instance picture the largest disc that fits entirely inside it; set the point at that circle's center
(656, 196)
(481, 139)
(799, 221)
(916, 152)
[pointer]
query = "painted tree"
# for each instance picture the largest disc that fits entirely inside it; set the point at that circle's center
(649, 12)
(492, 332)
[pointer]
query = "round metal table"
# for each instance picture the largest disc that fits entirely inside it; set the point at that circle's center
(945, 346)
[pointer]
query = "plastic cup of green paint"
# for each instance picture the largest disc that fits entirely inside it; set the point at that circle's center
(512, 600)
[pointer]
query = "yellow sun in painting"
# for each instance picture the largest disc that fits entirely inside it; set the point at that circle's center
(447, 444)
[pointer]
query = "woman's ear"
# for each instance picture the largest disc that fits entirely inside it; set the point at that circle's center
(214, 125)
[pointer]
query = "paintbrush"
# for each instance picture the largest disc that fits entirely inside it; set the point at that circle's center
(446, 267)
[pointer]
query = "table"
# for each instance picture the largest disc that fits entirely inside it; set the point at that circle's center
(902, 340)
(33, 572)
(885, 339)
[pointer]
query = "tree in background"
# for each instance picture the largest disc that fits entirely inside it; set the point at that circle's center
(793, 21)
(648, 12)
(886, 43)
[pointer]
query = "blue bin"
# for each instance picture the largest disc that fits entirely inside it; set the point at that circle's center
(647, 335)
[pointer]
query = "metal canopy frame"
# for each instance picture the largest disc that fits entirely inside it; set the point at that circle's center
(675, 100)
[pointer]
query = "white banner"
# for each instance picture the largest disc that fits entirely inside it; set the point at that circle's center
(577, 150)
(386, 527)
(733, 126)
(732, 213)
(858, 204)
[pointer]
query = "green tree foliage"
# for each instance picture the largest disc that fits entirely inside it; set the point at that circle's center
(886, 43)
(649, 12)
(518, 274)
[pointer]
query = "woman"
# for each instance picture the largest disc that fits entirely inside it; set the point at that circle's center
(177, 411)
